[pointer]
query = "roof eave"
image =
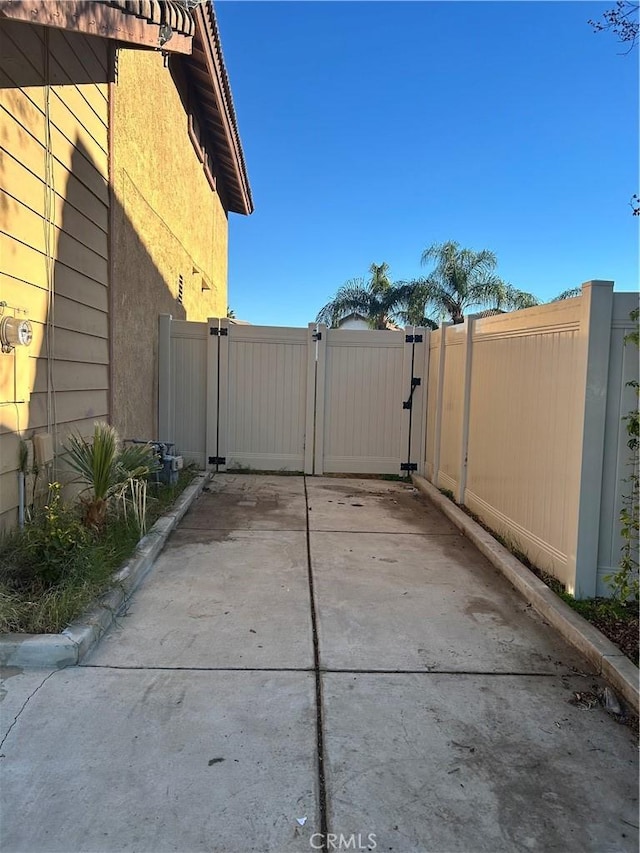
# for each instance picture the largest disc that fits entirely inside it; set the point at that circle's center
(132, 23)
(223, 118)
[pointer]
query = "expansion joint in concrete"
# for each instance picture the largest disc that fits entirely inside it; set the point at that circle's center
(142, 668)
(322, 788)
(474, 672)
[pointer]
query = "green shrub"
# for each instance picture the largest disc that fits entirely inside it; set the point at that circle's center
(49, 549)
(625, 582)
(55, 567)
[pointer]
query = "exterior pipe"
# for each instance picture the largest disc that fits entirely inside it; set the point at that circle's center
(21, 499)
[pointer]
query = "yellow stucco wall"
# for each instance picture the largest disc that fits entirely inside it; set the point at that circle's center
(167, 223)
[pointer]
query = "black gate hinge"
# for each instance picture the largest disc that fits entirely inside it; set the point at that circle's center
(413, 339)
(317, 336)
(217, 460)
(222, 332)
(408, 466)
(415, 381)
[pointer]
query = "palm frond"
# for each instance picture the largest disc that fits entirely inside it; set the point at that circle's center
(463, 280)
(380, 281)
(376, 300)
(568, 294)
(135, 461)
(352, 298)
(95, 461)
(517, 299)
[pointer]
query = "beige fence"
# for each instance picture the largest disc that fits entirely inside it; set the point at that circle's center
(524, 426)
(310, 399)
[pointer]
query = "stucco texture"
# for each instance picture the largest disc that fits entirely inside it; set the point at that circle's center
(167, 224)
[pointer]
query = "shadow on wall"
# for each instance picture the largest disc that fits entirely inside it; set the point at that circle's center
(87, 283)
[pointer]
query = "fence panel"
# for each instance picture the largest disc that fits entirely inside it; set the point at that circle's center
(524, 414)
(432, 404)
(182, 397)
(452, 407)
(267, 398)
(363, 394)
(523, 429)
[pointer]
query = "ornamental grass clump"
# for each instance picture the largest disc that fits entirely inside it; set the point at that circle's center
(110, 471)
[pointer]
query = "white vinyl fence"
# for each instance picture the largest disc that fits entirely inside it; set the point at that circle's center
(524, 426)
(518, 415)
(284, 399)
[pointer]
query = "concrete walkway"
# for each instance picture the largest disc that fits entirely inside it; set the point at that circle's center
(335, 661)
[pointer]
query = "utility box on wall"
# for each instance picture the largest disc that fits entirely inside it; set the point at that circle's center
(43, 448)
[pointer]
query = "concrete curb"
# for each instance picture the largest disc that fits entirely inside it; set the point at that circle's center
(69, 647)
(607, 658)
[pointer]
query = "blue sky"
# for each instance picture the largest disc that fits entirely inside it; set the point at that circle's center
(372, 130)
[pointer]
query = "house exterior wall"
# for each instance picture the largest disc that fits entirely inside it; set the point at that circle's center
(168, 226)
(353, 323)
(54, 219)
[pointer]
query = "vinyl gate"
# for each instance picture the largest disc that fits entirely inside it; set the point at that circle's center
(273, 398)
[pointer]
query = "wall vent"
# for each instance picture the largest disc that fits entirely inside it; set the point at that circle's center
(180, 289)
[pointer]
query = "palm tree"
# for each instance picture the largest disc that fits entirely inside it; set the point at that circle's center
(377, 299)
(461, 280)
(568, 294)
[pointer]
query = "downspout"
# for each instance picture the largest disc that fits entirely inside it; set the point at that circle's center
(20, 499)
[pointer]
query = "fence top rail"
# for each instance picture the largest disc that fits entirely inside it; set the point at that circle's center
(564, 314)
(188, 329)
(267, 334)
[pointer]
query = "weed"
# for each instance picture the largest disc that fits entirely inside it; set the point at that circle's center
(625, 582)
(55, 568)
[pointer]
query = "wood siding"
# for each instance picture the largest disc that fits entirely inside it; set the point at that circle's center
(56, 207)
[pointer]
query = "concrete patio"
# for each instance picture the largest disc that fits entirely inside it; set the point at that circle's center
(311, 659)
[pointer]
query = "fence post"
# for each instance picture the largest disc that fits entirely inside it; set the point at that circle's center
(439, 399)
(211, 409)
(224, 446)
(595, 334)
(421, 455)
(470, 323)
(321, 356)
(165, 433)
(310, 415)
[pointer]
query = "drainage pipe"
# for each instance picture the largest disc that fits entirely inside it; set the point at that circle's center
(21, 499)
